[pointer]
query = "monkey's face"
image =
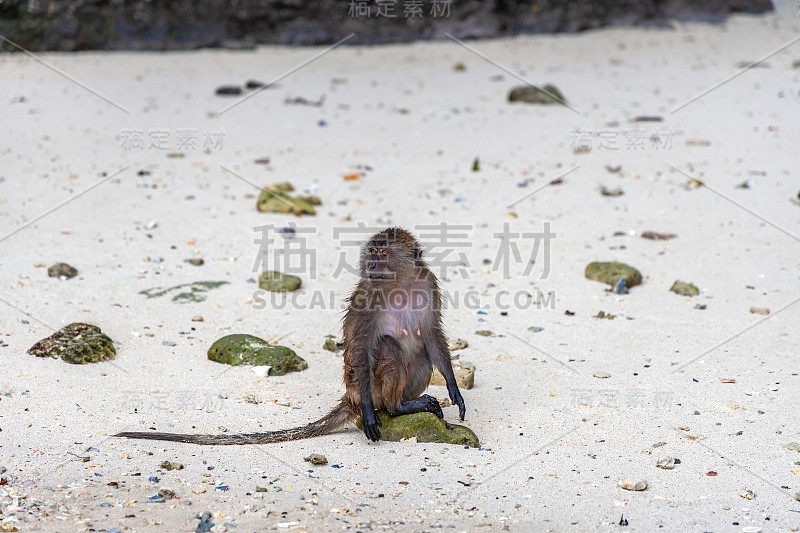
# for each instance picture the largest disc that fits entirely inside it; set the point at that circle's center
(390, 255)
(380, 262)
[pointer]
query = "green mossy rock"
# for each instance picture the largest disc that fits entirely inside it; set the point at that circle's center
(549, 94)
(197, 291)
(77, 344)
(426, 427)
(242, 349)
(684, 289)
(611, 272)
(275, 199)
(277, 282)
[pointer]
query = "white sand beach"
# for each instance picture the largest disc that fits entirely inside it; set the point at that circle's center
(76, 187)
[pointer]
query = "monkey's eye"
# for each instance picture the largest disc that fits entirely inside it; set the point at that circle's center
(384, 253)
(373, 251)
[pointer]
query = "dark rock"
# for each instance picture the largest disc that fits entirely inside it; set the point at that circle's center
(77, 343)
(73, 25)
(195, 261)
(62, 270)
(654, 236)
(228, 90)
(241, 349)
(254, 84)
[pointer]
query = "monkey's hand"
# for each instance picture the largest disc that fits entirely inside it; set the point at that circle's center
(456, 399)
(371, 423)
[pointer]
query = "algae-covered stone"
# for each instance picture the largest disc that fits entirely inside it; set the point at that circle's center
(424, 427)
(549, 94)
(77, 343)
(242, 349)
(464, 372)
(332, 344)
(278, 282)
(62, 270)
(196, 293)
(275, 199)
(684, 289)
(612, 272)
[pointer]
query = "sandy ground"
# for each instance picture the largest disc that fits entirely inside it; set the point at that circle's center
(556, 440)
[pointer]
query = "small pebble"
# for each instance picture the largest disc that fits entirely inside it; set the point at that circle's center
(601, 375)
(197, 318)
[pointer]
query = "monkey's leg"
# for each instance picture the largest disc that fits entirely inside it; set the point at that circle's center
(394, 382)
(424, 404)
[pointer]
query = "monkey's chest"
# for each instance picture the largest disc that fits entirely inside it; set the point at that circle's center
(405, 325)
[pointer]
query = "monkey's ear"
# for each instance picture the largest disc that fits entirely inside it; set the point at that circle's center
(417, 254)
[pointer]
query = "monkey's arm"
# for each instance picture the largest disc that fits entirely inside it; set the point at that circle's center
(369, 417)
(440, 357)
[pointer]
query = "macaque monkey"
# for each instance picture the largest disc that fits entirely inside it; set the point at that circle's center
(392, 339)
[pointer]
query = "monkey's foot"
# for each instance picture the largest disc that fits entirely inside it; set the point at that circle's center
(424, 404)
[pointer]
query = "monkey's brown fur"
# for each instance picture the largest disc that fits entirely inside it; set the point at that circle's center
(392, 337)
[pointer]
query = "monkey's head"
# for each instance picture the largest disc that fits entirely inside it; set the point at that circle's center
(390, 254)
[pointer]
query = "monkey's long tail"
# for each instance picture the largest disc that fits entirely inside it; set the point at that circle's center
(338, 417)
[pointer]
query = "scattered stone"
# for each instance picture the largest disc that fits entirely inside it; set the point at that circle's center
(654, 236)
(77, 343)
(612, 272)
(424, 427)
(484, 333)
(205, 524)
(456, 344)
(459, 67)
(242, 349)
(299, 100)
(197, 291)
(316, 459)
(464, 372)
(759, 310)
(197, 318)
(601, 375)
(747, 494)
(630, 484)
(529, 94)
(667, 463)
(262, 161)
(195, 261)
(275, 199)
(255, 84)
(605, 191)
(648, 118)
(228, 90)
(62, 271)
(476, 165)
(684, 289)
(333, 344)
(169, 465)
(535, 329)
(278, 282)
(793, 446)
(603, 315)
(728, 380)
